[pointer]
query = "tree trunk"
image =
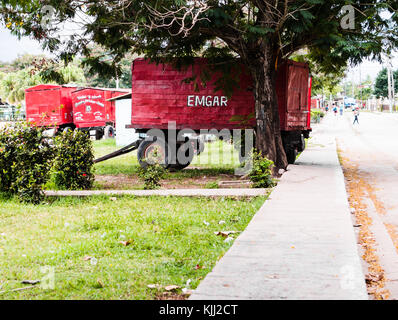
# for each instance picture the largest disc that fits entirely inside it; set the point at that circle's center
(268, 134)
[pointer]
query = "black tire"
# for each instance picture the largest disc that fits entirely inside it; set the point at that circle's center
(188, 151)
(301, 147)
(291, 154)
(98, 134)
(109, 132)
(147, 146)
(201, 146)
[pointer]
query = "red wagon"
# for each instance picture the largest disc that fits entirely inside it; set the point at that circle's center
(93, 111)
(50, 105)
(161, 95)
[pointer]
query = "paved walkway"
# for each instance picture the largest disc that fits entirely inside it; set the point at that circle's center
(244, 192)
(301, 243)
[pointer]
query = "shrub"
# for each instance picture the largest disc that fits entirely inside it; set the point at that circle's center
(74, 161)
(151, 175)
(316, 115)
(25, 157)
(7, 158)
(261, 172)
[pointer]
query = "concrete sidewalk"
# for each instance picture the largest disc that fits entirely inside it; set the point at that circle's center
(301, 243)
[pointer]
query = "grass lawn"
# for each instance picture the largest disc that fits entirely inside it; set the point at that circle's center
(168, 237)
(216, 163)
(218, 157)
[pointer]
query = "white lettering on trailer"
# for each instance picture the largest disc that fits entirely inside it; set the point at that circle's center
(190, 101)
(199, 101)
(207, 101)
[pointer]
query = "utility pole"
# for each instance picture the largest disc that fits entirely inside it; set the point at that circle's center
(390, 79)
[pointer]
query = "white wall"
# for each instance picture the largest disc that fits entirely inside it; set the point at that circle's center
(123, 116)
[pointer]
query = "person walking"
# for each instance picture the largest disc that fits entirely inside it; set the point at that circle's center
(341, 110)
(335, 110)
(356, 114)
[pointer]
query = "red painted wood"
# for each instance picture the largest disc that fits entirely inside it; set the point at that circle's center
(49, 105)
(91, 108)
(159, 95)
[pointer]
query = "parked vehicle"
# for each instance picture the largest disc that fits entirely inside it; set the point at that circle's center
(161, 95)
(92, 110)
(50, 105)
(68, 107)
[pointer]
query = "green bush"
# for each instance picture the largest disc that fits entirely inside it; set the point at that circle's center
(151, 175)
(7, 158)
(25, 158)
(316, 115)
(261, 172)
(74, 161)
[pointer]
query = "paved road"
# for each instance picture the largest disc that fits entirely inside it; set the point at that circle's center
(370, 158)
(301, 244)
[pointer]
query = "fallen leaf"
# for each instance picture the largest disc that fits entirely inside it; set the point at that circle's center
(171, 287)
(126, 243)
(154, 286)
(100, 283)
(30, 281)
(86, 258)
(197, 267)
(225, 234)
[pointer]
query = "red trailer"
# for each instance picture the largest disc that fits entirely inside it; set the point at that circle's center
(93, 111)
(50, 105)
(160, 96)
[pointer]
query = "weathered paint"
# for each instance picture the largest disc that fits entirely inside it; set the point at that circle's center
(49, 105)
(160, 95)
(91, 108)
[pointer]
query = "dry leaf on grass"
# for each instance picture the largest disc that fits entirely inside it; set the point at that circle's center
(225, 234)
(126, 243)
(30, 281)
(171, 287)
(154, 286)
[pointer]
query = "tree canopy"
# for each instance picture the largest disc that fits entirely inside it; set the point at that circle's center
(261, 33)
(381, 83)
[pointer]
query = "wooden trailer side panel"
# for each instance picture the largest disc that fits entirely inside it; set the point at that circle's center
(160, 95)
(49, 105)
(297, 96)
(91, 108)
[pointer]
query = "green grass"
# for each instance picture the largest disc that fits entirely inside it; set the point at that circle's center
(218, 158)
(169, 238)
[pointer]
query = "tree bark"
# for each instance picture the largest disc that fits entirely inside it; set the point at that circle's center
(268, 134)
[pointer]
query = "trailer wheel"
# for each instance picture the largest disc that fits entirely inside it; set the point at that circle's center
(153, 151)
(98, 134)
(109, 132)
(183, 151)
(291, 154)
(302, 144)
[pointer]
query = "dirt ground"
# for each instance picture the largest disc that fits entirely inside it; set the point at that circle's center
(122, 181)
(369, 155)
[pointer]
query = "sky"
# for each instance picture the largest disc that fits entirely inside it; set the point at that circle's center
(11, 47)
